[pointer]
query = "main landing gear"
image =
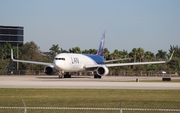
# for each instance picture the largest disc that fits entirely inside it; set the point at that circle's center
(96, 76)
(67, 75)
(62, 75)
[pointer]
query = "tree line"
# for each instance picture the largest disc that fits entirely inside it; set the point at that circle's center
(31, 51)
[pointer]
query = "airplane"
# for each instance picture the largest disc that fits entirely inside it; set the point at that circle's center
(72, 62)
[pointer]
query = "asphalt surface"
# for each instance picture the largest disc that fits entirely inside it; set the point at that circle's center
(86, 82)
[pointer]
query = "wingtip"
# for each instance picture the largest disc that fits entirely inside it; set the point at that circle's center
(171, 55)
(12, 54)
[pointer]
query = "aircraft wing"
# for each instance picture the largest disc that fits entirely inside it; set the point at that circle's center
(134, 63)
(123, 64)
(128, 64)
(107, 61)
(31, 62)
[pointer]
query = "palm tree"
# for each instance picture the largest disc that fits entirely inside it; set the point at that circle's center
(85, 51)
(134, 53)
(148, 55)
(140, 54)
(63, 51)
(54, 50)
(117, 54)
(175, 62)
(5, 50)
(176, 49)
(161, 55)
(76, 50)
(124, 54)
(92, 51)
(106, 53)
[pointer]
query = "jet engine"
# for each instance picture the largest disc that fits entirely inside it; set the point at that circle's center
(102, 70)
(49, 70)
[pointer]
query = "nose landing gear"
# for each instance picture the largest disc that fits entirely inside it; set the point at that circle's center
(61, 73)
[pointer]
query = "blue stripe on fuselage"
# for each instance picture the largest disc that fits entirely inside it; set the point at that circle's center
(97, 58)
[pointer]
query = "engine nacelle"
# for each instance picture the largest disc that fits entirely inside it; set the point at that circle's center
(49, 70)
(103, 70)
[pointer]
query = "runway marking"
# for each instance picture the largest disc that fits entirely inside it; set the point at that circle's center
(104, 109)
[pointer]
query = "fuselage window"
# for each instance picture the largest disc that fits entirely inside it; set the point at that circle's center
(59, 58)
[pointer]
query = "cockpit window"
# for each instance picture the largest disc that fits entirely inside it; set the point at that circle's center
(59, 58)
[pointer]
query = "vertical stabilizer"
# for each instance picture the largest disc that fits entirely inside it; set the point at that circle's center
(101, 45)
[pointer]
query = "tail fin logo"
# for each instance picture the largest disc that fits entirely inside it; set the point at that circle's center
(101, 46)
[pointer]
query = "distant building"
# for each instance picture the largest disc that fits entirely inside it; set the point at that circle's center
(12, 34)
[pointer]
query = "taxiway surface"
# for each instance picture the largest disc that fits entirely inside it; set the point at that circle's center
(85, 82)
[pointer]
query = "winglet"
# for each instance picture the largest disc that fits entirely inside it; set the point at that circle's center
(101, 45)
(171, 56)
(12, 54)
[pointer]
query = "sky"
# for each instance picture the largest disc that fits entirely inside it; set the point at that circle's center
(150, 24)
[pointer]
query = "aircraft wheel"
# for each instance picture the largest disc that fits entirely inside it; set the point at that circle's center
(67, 75)
(60, 76)
(99, 77)
(95, 76)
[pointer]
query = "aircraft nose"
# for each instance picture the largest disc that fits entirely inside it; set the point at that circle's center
(56, 64)
(59, 64)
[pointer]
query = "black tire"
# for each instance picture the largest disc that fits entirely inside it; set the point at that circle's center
(97, 76)
(67, 76)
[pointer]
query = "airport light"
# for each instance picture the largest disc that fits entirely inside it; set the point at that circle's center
(17, 59)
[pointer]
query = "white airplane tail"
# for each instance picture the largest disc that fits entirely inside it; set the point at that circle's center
(101, 45)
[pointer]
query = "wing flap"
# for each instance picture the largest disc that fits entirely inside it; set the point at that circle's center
(115, 60)
(92, 66)
(134, 63)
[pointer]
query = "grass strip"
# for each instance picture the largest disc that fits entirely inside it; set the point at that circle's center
(93, 98)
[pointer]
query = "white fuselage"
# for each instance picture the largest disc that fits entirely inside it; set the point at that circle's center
(69, 62)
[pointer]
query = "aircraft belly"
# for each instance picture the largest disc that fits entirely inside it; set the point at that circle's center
(73, 69)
